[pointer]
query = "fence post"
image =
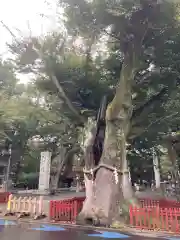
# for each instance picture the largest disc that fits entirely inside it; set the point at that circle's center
(14, 203)
(25, 201)
(41, 205)
(131, 215)
(158, 217)
(50, 210)
(30, 209)
(34, 205)
(75, 206)
(9, 203)
(19, 202)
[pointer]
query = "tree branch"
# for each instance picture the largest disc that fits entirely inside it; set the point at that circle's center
(143, 78)
(2, 133)
(163, 118)
(66, 99)
(55, 81)
(9, 30)
(111, 35)
(137, 112)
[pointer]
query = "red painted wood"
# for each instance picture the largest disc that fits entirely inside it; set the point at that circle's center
(155, 218)
(65, 210)
(4, 196)
(162, 203)
(154, 214)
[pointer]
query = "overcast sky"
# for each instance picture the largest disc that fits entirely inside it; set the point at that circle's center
(21, 13)
(26, 16)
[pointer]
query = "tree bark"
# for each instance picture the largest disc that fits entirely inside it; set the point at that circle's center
(87, 146)
(109, 187)
(63, 161)
(173, 158)
(69, 161)
(56, 168)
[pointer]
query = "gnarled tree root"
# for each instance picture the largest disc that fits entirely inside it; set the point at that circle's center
(92, 219)
(87, 219)
(97, 218)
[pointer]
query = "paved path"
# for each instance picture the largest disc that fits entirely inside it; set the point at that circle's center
(11, 230)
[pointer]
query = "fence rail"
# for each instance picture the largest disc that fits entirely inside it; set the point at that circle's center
(162, 203)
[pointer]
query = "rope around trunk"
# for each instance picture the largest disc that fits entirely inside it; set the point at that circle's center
(103, 165)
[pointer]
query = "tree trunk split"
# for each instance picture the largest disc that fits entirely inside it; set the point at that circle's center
(107, 188)
(108, 192)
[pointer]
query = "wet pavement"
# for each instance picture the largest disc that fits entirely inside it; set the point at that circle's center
(11, 230)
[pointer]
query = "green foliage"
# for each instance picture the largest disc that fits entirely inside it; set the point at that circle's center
(84, 73)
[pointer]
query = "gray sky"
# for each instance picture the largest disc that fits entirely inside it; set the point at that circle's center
(25, 14)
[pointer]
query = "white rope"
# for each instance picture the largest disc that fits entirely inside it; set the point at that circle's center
(116, 176)
(92, 174)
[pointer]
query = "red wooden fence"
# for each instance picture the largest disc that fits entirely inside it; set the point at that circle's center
(66, 210)
(155, 218)
(153, 214)
(4, 197)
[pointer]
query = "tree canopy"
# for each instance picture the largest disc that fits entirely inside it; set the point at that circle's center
(73, 70)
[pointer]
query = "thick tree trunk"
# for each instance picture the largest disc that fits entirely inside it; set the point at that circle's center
(87, 146)
(56, 168)
(107, 185)
(62, 162)
(107, 194)
(173, 158)
(69, 161)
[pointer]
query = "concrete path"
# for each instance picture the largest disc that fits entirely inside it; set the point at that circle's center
(36, 231)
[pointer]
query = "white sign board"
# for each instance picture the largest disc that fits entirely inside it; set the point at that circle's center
(44, 174)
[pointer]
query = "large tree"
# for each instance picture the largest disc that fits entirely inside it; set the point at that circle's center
(141, 33)
(139, 27)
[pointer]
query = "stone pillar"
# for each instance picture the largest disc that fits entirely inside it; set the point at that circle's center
(156, 170)
(44, 174)
(157, 175)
